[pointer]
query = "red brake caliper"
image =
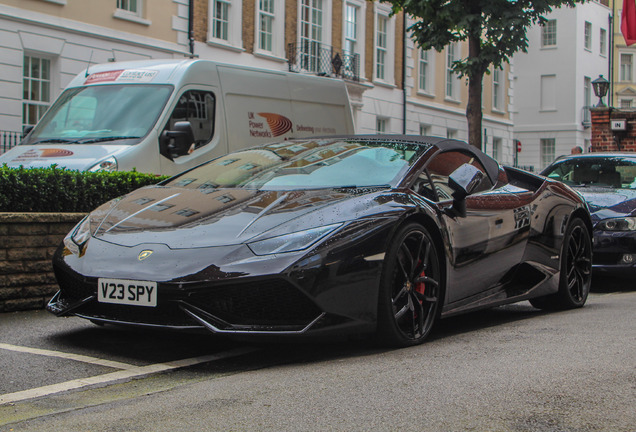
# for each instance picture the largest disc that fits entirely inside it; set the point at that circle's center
(420, 287)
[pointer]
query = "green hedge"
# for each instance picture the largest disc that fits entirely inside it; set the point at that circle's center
(59, 190)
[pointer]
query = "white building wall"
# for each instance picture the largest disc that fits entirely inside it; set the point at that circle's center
(70, 45)
(569, 62)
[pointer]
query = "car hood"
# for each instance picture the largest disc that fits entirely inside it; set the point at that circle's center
(72, 156)
(187, 218)
(608, 203)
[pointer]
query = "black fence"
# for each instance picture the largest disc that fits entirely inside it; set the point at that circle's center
(9, 139)
(323, 60)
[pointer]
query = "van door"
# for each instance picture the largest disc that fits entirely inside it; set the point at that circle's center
(199, 106)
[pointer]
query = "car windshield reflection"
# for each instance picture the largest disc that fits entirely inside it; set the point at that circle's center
(311, 164)
(606, 172)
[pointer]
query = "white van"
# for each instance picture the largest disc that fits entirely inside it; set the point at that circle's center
(164, 116)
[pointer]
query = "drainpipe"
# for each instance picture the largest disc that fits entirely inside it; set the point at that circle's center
(404, 74)
(610, 66)
(191, 27)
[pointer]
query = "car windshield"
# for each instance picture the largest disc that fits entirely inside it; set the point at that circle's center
(97, 114)
(311, 164)
(608, 172)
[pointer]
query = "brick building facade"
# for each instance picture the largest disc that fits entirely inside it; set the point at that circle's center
(609, 137)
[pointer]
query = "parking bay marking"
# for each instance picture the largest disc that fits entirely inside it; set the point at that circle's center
(129, 372)
(68, 356)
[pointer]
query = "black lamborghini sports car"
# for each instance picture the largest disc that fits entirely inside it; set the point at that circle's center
(377, 234)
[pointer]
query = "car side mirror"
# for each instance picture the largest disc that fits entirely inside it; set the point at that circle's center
(178, 141)
(464, 181)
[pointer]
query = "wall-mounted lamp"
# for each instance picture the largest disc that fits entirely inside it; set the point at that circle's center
(601, 86)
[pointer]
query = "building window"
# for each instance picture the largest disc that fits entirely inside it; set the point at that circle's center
(588, 36)
(384, 44)
(270, 19)
(353, 41)
(380, 125)
(381, 47)
(452, 55)
(311, 22)
(603, 42)
(351, 28)
(497, 89)
(587, 91)
(425, 130)
(424, 71)
(626, 67)
(220, 19)
(451, 133)
(37, 89)
(496, 148)
(265, 24)
(587, 102)
(626, 103)
(223, 18)
(132, 6)
(549, 34)
(548, 146)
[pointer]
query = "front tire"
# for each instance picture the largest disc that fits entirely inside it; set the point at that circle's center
(411, 288)
(575, 277)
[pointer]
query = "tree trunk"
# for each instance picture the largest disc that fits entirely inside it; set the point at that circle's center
(473, 108)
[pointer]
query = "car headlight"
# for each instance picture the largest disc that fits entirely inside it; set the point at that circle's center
(108, 164)
(618, 224)
(292, 242)
(77, 238)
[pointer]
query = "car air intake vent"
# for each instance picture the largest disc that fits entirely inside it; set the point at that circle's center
(265, 302)
(75, 287)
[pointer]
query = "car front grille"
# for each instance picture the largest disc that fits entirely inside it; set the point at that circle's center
(262, 302)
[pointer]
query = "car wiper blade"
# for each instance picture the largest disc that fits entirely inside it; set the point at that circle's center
(102, 139)
(54, 141)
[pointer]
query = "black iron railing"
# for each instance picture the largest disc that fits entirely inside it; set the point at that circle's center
(9, 139)
(324, 60)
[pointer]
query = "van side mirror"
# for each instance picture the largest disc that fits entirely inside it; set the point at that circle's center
(464, 181)
(178, 141)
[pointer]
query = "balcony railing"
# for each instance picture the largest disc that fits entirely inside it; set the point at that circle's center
(323, 60)
(9, 139)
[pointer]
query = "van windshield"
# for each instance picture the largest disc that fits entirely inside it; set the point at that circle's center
(98, 114)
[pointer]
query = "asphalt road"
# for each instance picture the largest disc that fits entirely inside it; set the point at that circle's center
(512, 368)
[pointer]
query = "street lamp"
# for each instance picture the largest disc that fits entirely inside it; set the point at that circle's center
(601, 85)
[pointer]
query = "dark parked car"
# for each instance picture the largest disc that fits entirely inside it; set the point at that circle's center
(607, 181)
(349, 234)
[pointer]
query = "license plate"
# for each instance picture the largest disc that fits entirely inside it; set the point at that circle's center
(127, 292)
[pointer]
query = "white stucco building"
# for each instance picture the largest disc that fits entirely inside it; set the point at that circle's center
(552, 85)
(43, 43)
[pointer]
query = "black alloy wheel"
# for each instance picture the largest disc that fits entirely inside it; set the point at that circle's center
(576, 270)
(411, 290)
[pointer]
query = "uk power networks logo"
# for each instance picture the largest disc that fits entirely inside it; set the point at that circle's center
(278, 124)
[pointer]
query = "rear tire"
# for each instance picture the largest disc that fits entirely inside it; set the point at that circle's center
(411, 291)
(575, 277)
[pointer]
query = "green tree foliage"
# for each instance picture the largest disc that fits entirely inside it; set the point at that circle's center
(58, 190)
(494, 29)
